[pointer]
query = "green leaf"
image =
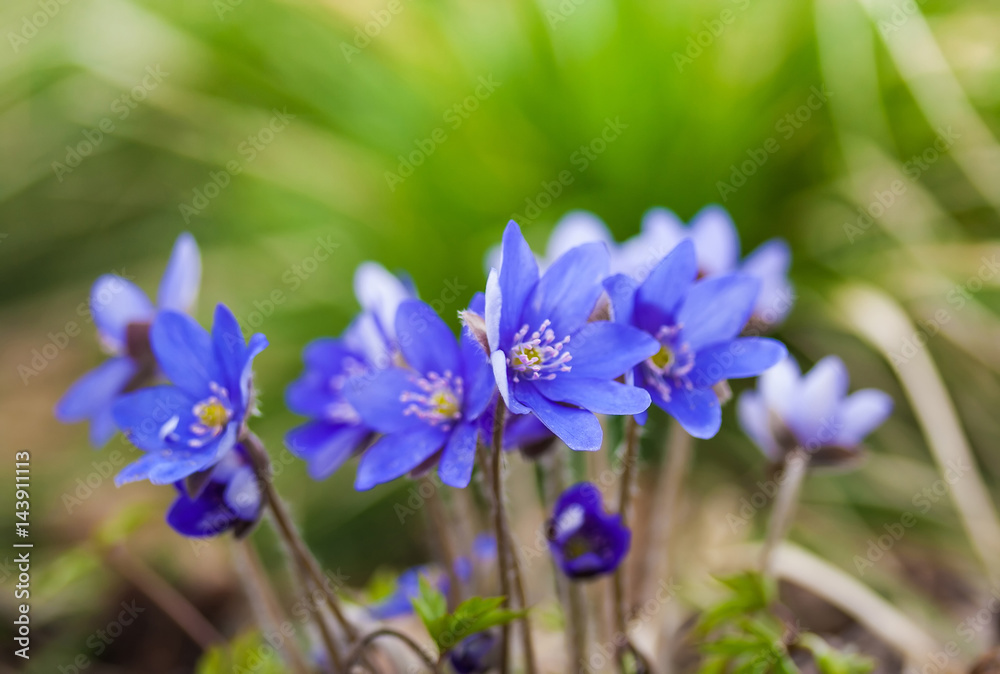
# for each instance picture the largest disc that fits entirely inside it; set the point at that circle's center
(246, 654)
(432, 607)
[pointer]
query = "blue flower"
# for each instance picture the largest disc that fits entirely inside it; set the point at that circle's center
(547, 357)
(428, 411)
(335, 431)
(228, 499)
(123, 313)
(813, 412)
(717, 248)
(192, 424)
(696, 326)
(584, 540)
(476, 654)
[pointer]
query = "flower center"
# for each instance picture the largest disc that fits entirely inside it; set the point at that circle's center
(211, 413)
(667, 370)
(439, 401)
(577, 546)
(538, 356)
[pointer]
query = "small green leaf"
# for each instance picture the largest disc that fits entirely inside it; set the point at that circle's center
(432, 607)
(245, 654)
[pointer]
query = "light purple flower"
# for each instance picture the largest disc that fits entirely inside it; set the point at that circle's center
(123, 315)
(812, 412)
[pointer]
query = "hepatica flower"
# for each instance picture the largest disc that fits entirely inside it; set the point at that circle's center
(812, 412)
(696, 327)
(122, 314)
(584, 540)
(547, 357)
(335, 431)
(228, 500)
(476, 654)
(717, 248)
(427, 411)
(190, 425)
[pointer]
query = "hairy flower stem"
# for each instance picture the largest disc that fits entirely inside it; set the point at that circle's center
(356, 655)
(446, 546)
(304, 560)
(794, 472)
(553, 470)
(263, 600)
(630, 457)
(510, 570)
(165, 596)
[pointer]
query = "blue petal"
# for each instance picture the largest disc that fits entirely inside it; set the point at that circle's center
(165, 467)
(377, 399)
(569, 290)
(478, 378)
(379, 293)
(601, 396)
(621, 290)
(755, 420)
(95, 391)
(579, 429)
(180, 282)
(667, 284)
(310, 394)
(820, 393)
(114, 303)
(243, 494)
(779, 387)
(478, 303)
(583, 494)
(459, 456)
(861, 413)
(742, 357)
(716, 239)
(397, 454)
(697, 410)
(492, 309)
(325, 446)
(574, 229)
(184, 352)
(102, 427)
(717, 309)
(428, 345)
(769, 263)
(518, 276)
(205, 516)
(234, 355)
(143, 414)
(501, 376)
(608, 350)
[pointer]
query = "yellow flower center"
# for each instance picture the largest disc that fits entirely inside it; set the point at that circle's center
(212, 413)
(663, 358)
(444, 404)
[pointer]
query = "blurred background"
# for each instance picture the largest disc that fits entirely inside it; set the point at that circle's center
(298, 138)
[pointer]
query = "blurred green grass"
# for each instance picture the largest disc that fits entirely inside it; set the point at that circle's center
(324, 177)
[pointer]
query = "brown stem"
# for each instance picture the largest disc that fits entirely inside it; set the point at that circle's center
(627, 485)
(264, 601)
(499, 528)
(164, 595)
(510, 568)
(796, 465)
(302, 556)
(442, 532)
(355, 655)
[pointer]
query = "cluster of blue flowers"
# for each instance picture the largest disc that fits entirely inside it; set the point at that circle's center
(593, 328)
